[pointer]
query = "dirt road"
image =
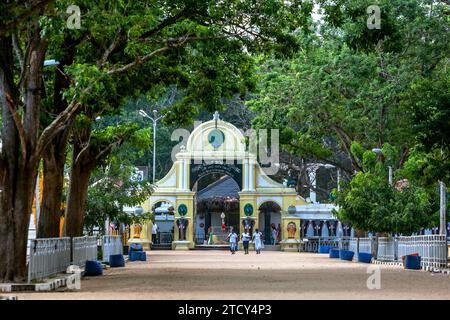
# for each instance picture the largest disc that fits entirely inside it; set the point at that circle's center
(271, 275)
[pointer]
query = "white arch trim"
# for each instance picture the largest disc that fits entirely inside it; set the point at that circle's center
(277, 200)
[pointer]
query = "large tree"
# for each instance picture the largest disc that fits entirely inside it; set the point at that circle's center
(352, 87)
(123, 48)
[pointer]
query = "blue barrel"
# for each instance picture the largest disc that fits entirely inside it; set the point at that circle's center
(142, 256)
(412, 262)
(116, 260)
(138, 256)
(135, 247)
(324, 249)
(346, 255)
(93, 268)
(334, 253)
(364, 257)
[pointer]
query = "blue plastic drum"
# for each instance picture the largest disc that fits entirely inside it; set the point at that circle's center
(93, 268)
(412, 262)
(346, 255)
(364, 257)
(135, 247)
(324, 249)
(334, 253)
(116, 260)
(138, 256)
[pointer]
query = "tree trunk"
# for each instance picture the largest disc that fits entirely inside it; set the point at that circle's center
(19, 171)
(81, 169)
(55, 154)
(18, 156)
(15, 212)
(54, 160)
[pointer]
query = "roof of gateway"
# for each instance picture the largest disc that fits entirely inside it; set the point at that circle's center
(225, 187)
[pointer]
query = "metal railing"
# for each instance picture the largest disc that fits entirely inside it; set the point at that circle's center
(353, 245)
(83, 249)
(48, 256)
(312, 244)
(344, 243)
(165, 238)
(111, 245)
(387, 249)
(431, 248)
(365, 245)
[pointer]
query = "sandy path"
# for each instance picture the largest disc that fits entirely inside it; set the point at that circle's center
(271, 275)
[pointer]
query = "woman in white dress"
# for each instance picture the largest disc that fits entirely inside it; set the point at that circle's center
(257, 241)
(245, 240)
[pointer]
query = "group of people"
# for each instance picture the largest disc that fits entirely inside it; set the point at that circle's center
(246, 237)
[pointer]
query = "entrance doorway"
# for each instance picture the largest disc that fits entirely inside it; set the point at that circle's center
(164, 218)
(216, 209)
(270, 219)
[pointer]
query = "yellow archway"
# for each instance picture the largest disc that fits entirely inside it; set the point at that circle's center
(218, 146)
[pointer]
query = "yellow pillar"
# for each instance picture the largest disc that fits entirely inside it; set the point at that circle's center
(187, 200)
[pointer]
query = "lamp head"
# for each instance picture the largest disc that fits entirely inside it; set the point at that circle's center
(377, 150)
(143, 113)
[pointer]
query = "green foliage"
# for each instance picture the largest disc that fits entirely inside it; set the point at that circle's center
(371, 204)
(112, 189)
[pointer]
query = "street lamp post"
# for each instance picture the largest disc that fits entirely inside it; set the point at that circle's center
(443, 194)
(154, 120)
(312, 175)
(391, 170)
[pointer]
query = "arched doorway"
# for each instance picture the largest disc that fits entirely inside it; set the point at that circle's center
(216, 209)
(269, 218)
(228, 155)
(164, 217)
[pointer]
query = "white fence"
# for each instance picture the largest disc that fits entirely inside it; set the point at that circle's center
(358, 245)
(48, 256)
(431, 248)
(365, 245)
(111, 245)
(312, 244)
(353, 245)
(51, 256)
(387, 249)
(83, 249)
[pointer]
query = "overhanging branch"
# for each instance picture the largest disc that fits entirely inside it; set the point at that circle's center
(19, 125)
(25, 15)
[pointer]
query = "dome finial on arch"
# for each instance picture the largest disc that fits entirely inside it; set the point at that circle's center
(216, 116)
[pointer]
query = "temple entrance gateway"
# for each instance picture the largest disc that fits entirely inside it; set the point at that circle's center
(218, 148)
(164, 219)
(216, 210)
(269, 220)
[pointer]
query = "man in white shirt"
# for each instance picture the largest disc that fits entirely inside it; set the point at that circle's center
(154, 232)
(233, 241)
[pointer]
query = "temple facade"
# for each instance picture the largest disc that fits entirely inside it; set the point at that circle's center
(219, 148)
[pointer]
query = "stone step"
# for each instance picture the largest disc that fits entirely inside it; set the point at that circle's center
(166, 246)
(276, 247)
(212, 247)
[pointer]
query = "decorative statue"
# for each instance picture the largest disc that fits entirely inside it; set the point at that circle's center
(291, 229)
(136, 231)
(248, 224)
(182, 224)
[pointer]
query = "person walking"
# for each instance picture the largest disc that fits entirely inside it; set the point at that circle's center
(233, 241)
(274, 235)
(154, 233)
(257, 241)
(246, 240)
